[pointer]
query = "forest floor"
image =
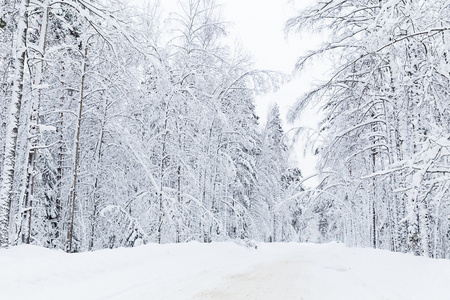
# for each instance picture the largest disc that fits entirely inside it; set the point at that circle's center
(222, 271)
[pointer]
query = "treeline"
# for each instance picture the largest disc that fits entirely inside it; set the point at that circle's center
(384, 142)
(116, 130)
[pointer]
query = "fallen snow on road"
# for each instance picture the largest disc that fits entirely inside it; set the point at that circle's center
(222, 271)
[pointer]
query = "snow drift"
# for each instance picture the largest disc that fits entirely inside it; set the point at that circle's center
(221, 271)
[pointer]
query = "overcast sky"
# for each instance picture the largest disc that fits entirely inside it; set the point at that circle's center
(259, 27)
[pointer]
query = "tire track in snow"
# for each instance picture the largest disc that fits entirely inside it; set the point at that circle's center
(266, 281)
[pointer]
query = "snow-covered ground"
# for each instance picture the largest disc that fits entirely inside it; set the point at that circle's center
(222, 271)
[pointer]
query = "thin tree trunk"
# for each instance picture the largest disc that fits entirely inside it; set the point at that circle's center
(76, 150)
(98, 162)
(179, 201)
(12, 123)
(161, 175)
(57, 225)
(34, 132)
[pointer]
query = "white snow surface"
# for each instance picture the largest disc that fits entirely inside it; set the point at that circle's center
(222, 271)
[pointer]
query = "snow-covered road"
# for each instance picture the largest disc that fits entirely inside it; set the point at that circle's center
(222, 271)
(275, 280)
(335, 272)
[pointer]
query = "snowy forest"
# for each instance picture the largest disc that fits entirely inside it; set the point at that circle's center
(120, 127)
(116, 132)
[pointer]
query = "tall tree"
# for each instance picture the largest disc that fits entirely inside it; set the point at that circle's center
(12, 122)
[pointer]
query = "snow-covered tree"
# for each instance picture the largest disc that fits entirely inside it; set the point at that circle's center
(384, 127)
(115, 134)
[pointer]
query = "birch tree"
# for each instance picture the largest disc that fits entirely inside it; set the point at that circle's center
(385, 54)
(12, 122)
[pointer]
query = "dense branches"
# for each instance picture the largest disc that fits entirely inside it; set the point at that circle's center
(123, 140)
(384, 115)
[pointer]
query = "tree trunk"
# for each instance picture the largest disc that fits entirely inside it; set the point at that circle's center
(12, 129)
(76, 151)
(56, 224)
(34, 131)
(98, 162)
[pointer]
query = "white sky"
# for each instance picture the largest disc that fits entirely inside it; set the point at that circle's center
(259, 28)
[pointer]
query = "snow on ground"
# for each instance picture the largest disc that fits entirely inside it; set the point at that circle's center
(222, 271)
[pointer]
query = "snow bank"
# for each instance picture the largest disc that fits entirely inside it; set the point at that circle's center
(221, 271)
